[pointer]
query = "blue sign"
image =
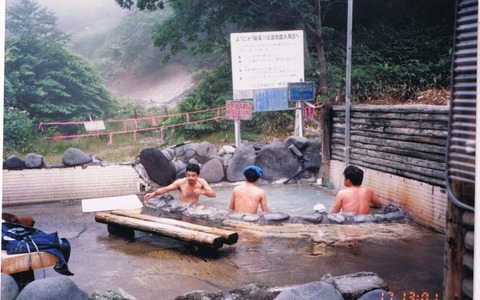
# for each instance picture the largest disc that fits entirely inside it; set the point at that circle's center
(270, 99)
(301, 91)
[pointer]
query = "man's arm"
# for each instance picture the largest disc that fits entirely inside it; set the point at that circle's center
(206, 189)
(337, 205)
(263, 202)
(232, 201)
(160, 191)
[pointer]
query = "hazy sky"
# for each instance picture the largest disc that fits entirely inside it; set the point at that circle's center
(78, 15)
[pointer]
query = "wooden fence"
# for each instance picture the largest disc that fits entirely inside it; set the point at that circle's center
(408, 141)
(402, 150)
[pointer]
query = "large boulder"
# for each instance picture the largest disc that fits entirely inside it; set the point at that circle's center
(52, 288)
(212, 170)
(354, 285)
(75, 157)
(9, 287)
(277, 161)
(244, 156)
(158, 167)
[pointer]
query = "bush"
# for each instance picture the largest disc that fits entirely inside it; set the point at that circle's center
(18, 132)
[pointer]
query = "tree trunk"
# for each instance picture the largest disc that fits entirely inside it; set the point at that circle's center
(322, 62)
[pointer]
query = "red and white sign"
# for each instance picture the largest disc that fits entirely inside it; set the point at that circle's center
(238, 110)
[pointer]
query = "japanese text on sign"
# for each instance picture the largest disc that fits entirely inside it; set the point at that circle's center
(263, 60)
(238, 110)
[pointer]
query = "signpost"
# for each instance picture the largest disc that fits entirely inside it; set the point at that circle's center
(264, 61)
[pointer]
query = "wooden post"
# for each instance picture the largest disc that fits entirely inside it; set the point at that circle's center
(326, 141)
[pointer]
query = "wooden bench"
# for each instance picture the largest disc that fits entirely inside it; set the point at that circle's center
(16, 263)
(197, 234)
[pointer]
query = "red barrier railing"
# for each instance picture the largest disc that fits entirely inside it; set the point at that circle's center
(218, 113)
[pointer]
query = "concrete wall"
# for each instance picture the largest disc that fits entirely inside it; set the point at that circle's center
(426, 204)
(45, 185)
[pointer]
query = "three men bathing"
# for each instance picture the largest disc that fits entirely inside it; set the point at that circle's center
(190, 188)
(356, 198)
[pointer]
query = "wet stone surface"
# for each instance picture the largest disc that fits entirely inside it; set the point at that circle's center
(407, 257)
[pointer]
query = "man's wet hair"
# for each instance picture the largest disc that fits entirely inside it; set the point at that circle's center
(251, 175)
(193, 168)
(354, 173)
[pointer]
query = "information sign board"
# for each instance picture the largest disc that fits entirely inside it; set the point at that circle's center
(238, 110)
(301, 91)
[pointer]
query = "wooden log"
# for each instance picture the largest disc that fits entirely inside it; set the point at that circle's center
(172, 231)
(419, 124)
(440, 133)
(426, 109)
(15, 263)
(338, 138)
(397, 151)
(230, 237)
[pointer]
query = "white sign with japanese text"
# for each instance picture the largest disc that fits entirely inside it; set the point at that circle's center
(263, 60)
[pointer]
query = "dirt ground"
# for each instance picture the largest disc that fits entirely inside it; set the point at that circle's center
(408, 257)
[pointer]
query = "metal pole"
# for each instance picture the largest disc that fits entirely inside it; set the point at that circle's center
(348, 82)
(237, 132)
(299, 118)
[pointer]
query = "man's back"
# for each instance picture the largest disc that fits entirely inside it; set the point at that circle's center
(247, 197)
(356, 199)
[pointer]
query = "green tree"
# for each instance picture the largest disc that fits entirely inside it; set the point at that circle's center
(41, 76)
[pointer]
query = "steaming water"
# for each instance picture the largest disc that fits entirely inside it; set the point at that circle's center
(291, 199)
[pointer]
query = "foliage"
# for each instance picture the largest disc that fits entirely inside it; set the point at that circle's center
(42, 77)
(18, 131)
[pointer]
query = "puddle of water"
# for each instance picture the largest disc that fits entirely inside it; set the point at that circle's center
(291, 199)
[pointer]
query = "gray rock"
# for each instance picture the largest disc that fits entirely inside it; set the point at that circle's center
(226, 150)
(33, 160)
(74, 157)
(298, 141)
(205, 152)
(9, 287)
(52, 288)
(336, 218)
(159, 169)
(13, 162)
(376, 295)
(276, 216)
(251, 218)
(295, 151)
(180, 167)
(395, 215)
(244, 156)
(316, 290)
(313, 218)
(169, 153)
(236, 216)
(212, 171)
(364, 219)
(190, 150)
(312, 158)
(354, 285)
(277, 161)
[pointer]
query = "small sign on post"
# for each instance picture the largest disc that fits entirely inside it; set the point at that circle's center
(301, 91)
(94, 126)
(238, 110)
